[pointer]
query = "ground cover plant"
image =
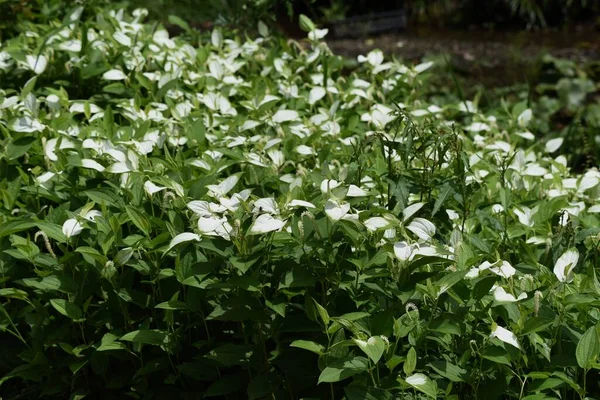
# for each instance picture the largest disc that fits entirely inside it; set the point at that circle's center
(238, 217)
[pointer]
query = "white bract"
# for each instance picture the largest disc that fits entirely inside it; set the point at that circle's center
(266, 223)
(563, 268)
(423, 228)
(504, 335)
(182, 238)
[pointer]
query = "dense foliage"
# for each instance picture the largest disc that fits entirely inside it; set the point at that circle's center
(238, 217)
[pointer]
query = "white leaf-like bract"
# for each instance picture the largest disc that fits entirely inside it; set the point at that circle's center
(151, 188)
(553, 144)
(336, 211)
(403, 251)
(376, 223)
(505, 336)
(92, 164)
(502, 297)
(72, 227)
(524, 118)
(183, 237)
(411, 210)
(225, 186)
(423, 228)
(300, 203)
(265, 223)
(114, 75)
(285, 116)
(563, 268)
(36, 64)
(316, 94)
(503, 269)
(266, 205)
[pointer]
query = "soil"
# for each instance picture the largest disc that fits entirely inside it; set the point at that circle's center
(492, 58)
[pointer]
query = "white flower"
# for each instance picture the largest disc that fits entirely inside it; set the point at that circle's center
(504, 335)
(563, 269)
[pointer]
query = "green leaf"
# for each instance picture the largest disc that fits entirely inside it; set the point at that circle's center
(110, 342)
(227, 384)
(15, 226)
(323, 314)
(172, 305)
(587, 348)
(355, 392)
(18, 147)
(14, 293)
(146, 336)
(104, 196)
(343, 369)
(497, 355)
(67, 309)
(175, 20)
(306, 24)
(50, 283)
(449, 280)
(138, 219)
(197, 131)
(263, 385)
(29, 86)
(242, 266)
(449, 371)
(444, 325)
(54, 231)
(422, 383)
(445, 192)
(411, 361)
(308, 345)
(535, 324)
(231, 354)
(373, 347)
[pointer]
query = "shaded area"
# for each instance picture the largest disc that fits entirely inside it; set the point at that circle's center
(490, 58)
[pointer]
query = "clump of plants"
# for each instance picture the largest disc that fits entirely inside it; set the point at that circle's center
(239, 218)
